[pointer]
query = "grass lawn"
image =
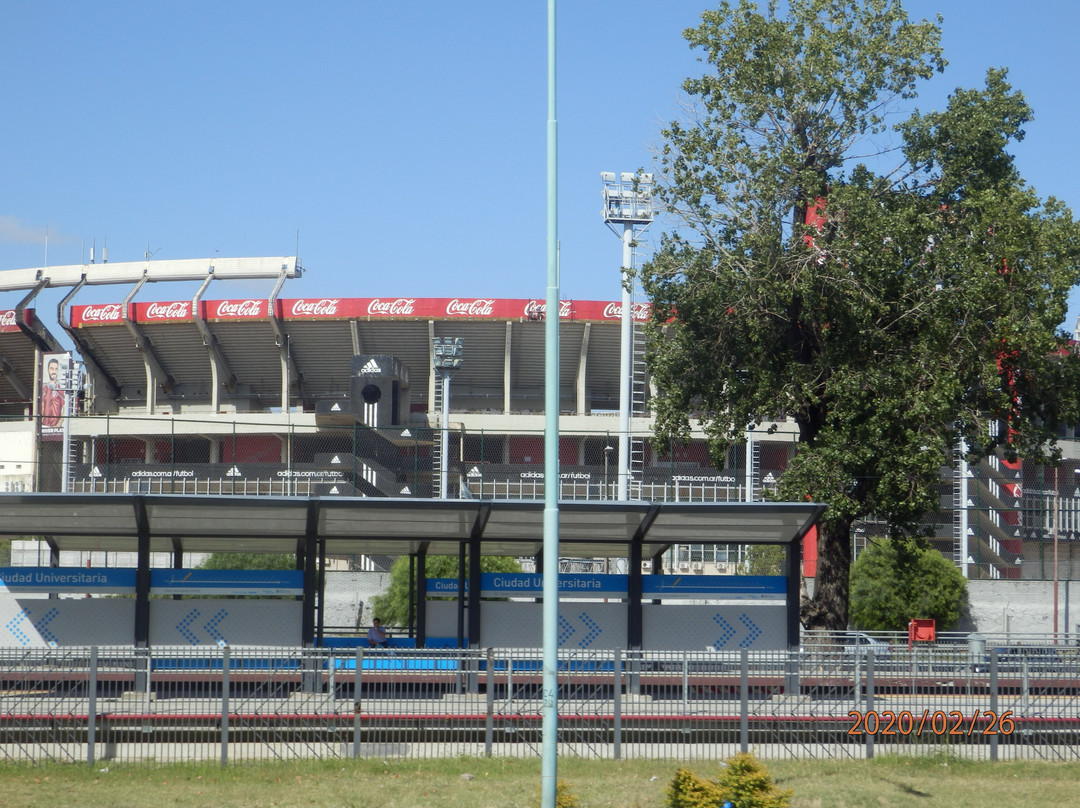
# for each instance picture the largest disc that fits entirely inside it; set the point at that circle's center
(514, 783)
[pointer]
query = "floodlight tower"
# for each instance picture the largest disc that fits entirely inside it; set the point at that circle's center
(628, 202)
(446, 358)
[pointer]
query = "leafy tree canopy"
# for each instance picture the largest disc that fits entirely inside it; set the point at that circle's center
(248, 561)
(890, 309)
(392, 607)
(893, 582)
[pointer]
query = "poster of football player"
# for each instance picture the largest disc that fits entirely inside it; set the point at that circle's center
(54, 403)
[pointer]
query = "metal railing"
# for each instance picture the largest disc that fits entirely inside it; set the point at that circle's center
(235, 705)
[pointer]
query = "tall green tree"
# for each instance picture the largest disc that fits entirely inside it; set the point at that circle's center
(392, 607)
(889, 313)
(893, 582)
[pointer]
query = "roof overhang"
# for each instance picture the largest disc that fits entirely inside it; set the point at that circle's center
(231, 524)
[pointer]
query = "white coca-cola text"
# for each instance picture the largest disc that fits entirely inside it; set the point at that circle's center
(401, 306)
(316, 308)
(176, 310)
(101, 314)
(470, 308)
(241, 308)
(536, 310)
(7, 318)
(638, 311)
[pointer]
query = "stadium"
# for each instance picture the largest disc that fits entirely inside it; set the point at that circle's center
(139, 437)
(406, 398)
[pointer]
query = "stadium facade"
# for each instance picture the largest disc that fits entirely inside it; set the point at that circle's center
(335, 396)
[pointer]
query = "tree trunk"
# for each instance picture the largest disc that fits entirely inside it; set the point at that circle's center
(828, 609)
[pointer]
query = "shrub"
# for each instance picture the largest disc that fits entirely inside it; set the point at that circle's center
(744, 783)
(687, 790)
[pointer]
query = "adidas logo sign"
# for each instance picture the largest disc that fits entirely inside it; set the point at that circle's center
(406, 433)
(335, 460)
(769, 478)
(95, 472)
(406, 490)
(474, 472)
(233, 472)
(371, 367)
(334, 490)
(336, 407)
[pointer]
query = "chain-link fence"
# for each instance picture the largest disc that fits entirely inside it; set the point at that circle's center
(240, 705)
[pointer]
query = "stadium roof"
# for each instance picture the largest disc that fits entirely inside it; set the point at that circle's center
(241, 349)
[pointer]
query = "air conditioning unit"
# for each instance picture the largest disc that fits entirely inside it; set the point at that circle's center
(723, 568)
(646, 566)
(697, 566)
(684, 566)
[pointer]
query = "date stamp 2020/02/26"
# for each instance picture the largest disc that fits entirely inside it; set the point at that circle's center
(931, 722)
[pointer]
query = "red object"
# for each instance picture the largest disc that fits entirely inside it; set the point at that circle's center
(809, 553)
(921, 631)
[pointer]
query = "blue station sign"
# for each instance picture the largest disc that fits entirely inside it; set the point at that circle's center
(698, 587)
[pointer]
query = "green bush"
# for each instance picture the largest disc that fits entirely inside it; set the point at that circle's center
(744, 782)
(687, 790)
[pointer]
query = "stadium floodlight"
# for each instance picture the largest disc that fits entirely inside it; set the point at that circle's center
(446, 355)
(629, 203)
(447, 352)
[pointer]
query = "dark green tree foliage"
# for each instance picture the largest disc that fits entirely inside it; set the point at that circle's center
(249, 561)
(919, 306)
(392, 607)
(895, 581)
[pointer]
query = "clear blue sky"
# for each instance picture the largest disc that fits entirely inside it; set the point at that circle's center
(405, 141)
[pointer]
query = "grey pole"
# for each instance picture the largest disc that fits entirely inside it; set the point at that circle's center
(550, 685)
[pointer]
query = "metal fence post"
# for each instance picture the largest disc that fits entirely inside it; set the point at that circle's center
(356, 701)
(994, 700)
(744, 701)
(91, 709)
(618, 667)
(225, 664)
(870, 703)
(489, 686)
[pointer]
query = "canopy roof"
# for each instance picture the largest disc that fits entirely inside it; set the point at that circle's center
(376, 526)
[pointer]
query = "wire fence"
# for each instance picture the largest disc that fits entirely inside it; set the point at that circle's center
(236, 705)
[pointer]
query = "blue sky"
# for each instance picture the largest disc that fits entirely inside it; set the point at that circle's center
(404, 142)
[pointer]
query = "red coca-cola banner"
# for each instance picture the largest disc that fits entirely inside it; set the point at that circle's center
(363, 308)
(247, 309)
(8, 321)
(97, 314)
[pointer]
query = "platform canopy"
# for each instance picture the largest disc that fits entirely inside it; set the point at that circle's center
(376, 526)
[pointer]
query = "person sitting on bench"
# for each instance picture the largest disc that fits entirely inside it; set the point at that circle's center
(376, 636)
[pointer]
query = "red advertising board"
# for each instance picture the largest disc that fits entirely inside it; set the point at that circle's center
(364, 308)
(9, 323)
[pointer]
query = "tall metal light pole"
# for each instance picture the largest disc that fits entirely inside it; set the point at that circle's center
(446, 352)
(627, 202)
(550, 682)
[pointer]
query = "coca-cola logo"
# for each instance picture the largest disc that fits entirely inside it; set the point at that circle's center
(401, 306)
(241, 308)
(535, 310)
(101, 314)
(167, 311)
(638, 311)
(470, 308)
(7, 318)
(318, 308)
